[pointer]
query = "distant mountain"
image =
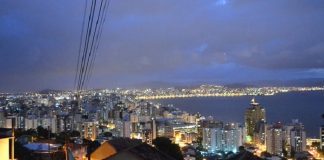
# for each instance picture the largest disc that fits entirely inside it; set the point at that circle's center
(290, 83)
(264, 83)
(161, 84)
(48, 91)
(239, 85)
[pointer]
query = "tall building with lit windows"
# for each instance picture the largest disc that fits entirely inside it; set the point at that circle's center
(90, 130)
(298, 137)
(227, 138)
(322, 136)
(2, 119)
(255, 118)
(275, 136)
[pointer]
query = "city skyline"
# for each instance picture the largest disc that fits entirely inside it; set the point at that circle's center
(219, 41)
(113, 114)
(163, 79)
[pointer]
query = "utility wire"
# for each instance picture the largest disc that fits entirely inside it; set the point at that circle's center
(98, 39)
(89, 42)
(86, 43)
(80, 45)
(92, 44)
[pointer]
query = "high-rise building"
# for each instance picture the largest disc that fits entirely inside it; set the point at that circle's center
(208, 124)
(298, 137)
(287, 145)
(2, 119)
(259, 133)
(31, 123)
(154, 129)
(322, 136)
(255, 118)
(90, 130)
(228, 138)
(165, 130)
(19, 121)
(189, 118)
(275, 136)
(126, 129)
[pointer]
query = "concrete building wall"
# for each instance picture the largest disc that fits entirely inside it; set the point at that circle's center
(4, 148)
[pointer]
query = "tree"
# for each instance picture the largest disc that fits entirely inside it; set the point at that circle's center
(92, 146)
(21, 152)
(265, 154)
(42, 132)
(75, 133)
(165, 145)
(31, 132)
(292, 152)
(107, 134)
(199, 148)
(62, 137)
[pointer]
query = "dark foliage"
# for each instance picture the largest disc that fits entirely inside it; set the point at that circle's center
(92, 146)
(165, 145)
(21, 152)
(66, 136)
(44, 133)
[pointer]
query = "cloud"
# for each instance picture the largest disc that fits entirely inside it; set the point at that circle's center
(144, 39)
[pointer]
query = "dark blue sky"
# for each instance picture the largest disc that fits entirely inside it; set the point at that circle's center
(182, 41)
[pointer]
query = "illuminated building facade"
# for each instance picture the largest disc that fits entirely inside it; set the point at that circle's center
(90, 130)
(126, 129)
(298, 138)
(322, 136)
(275, 136)
(228, 138)
(4, 145)
(184, 134)
(2, 119)
(255, 118)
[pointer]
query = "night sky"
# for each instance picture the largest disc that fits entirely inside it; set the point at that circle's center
(170, 41)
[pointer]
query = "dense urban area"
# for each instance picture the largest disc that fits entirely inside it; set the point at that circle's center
(52, 124)
(200, 80)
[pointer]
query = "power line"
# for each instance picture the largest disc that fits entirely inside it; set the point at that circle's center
(89, 43)
(80, 45)
(92, 43)
(86, 43)
(98, 39)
